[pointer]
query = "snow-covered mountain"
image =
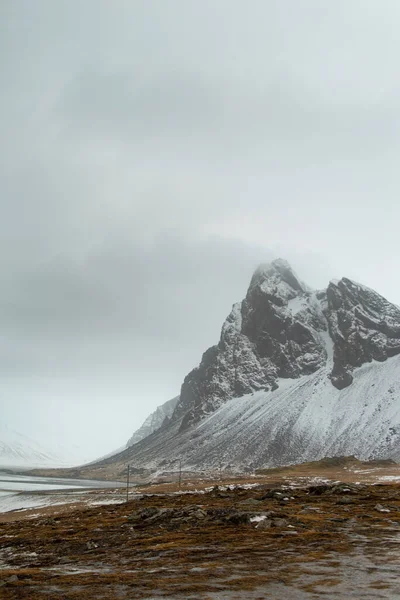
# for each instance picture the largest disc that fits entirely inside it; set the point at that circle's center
(18, 450)
(154, 421)
(297, 375)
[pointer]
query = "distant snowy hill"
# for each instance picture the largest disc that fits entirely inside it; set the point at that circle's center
(18, 450)
(154, 421)
(297, 375)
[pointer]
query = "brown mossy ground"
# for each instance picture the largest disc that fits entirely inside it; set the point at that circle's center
(201, 545)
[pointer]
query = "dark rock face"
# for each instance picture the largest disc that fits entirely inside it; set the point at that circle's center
(364, 327)
(261, 341)
(282, 329)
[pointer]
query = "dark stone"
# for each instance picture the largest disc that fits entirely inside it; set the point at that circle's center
(345, 500)
(341, 378)
(264, 524)
(237, 518)
(250, 502)
(276, 493)
(280, 523)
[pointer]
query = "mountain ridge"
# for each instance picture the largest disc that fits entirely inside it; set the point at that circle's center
(154, 421)
(285, 341)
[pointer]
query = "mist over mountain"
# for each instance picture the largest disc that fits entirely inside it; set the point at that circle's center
(20, 451)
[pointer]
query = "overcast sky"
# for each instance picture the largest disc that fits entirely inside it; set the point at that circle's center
(153, 152)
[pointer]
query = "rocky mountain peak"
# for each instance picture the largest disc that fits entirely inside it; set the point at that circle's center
(363, 325)
(278, 280)
(273, 333)
(284, 330)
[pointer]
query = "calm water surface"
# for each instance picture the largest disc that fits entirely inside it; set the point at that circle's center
(27, 483)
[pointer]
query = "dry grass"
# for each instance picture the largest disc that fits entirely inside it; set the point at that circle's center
(134, 558)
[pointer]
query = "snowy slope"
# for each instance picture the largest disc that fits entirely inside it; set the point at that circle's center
(307, 420)
(304, 419)
(18, 450)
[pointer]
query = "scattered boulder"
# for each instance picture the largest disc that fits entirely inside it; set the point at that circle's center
(264, 524)
(310, 509)
(250, 502)
(279, 523)
(346, 488)
(319, 490)
(346, 500)
(276, 493)
(91, 545)
(219, 493)
(238, 518)
(334, 488)
(199, 514)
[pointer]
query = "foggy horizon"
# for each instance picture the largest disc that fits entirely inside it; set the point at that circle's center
(153, 155)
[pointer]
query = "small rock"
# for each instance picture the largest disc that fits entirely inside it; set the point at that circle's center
(345, 500)
(319, 490)
(381, 509)
(91, 545)
(144, 513)
(265, 524)
(310, 509)
(274, 493)
(238, 517)
(346, 488)
(279, 523)
(250, 502)
(268, 513)
(199, 514)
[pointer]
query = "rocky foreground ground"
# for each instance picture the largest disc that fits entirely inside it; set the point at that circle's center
(328, 540)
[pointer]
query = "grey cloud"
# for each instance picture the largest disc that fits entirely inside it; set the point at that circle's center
(282, 115)
(131, 133)
(130, 289)
(142, 106)
(129, 311)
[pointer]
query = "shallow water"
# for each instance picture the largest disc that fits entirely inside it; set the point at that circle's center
(27, 483)
(21, 492)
